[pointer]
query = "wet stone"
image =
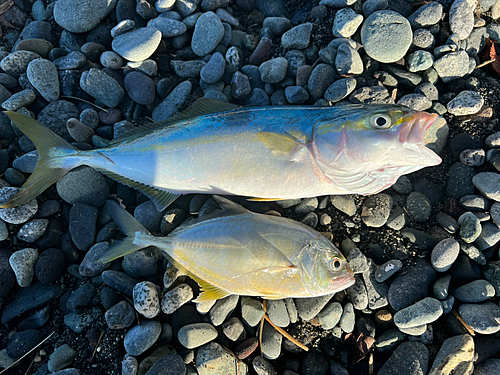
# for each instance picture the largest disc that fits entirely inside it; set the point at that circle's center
(32, 231)
(440, 288)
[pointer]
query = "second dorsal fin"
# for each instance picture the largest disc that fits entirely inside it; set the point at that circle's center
(202, 107)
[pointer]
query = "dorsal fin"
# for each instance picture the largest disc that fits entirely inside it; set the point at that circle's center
(203, 106)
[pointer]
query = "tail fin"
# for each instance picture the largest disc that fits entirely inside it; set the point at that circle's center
(129, 226)
(46, 141)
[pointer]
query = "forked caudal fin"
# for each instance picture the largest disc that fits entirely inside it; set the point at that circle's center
(129, 226)
(50, 146)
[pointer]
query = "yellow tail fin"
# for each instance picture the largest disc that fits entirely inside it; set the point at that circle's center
(49, 145)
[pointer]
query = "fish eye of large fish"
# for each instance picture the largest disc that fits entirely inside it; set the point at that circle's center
(336, 264)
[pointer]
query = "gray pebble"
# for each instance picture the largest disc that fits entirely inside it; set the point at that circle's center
(277, 312)
(493, 140)
(448, 304)
(42, 74)
(130, 365)
(444, 254)
(465, 103)
(371, 6)
(251, 311)
(297, 37)
(102, 87)
(19, 214)
(213, 71)
(33, 230)
(376, 209)
(418, 207)
(306, 205)
(207, 34)
(271, 342)
(141, 337)
(495, 213)
(79, 131)
(82, 225)
(17, 62)
(490, 236)
(474, 203)
(240, 85)
(427, 15)
(122, 27)
(212, 358)
(408, 355)
(386, 270)
(440, 289)
(320, 79)
(386, 36)
(358, 261)
(377, 292)
(296, 94)
(194, 335)
(78, 322)
(483, 318)
(389, 340)
(459, 182)
(172, 103)
(488, 183)
(22, 263)
(138, 44)
(340, 89)
(308, 308)
(458, 350)
(20, 99)
(274, 70)
(222, 309)
(73, 60)
(62, 357)
(473, 253)
(348, 61)
(277, 25)
(146, 299)
(234, 329)
(451, 66)
(347, 319)
(175, 298)
(346, 23)
(447, 222)
(76, 17)
(419, 61)
(330, 315)
(422, 312)
(461, 18)
(470, 227)
(111, 60)
(357, 294)
(90, 265)
(169, 27)
(475, 291)
(187, 69)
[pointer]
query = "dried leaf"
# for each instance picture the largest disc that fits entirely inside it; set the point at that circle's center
(360, 346)
(5, 6)
(490, 54)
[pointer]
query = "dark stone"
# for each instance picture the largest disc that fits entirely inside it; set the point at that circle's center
(22, 342)
(50, 266)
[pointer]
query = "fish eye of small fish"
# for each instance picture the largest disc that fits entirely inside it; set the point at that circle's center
(380, 121)
(336, 264)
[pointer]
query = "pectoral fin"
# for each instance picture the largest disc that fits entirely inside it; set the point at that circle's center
(208, 292)
(281, 145)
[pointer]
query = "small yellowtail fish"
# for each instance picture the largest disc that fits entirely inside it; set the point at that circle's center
(235, 251)
(269, 153)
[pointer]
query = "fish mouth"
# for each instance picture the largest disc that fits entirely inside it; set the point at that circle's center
(343, 282)
(417, 126)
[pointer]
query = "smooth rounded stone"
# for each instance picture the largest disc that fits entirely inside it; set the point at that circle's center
(240, 85)
(461, 18)
(358, 261)
(347, 320)
(50, 266)
(130, 365)
(170, 364)
(22, 342)
(32, 231)
(22, 263)
(473, 253)
(386, 36)
(8, 81)
(62, 357)
(456, 353)
(427, 15)
(169, 27)
(207, 34)
(246, 348)
(120, 316)
(79, 131)
(411, 358)
(465, 103)
(213, 359)
(308, 308)
(489, 237)
(140, 88)
(461, 180)
(20, 99)
(389, 340)
(427, 89)
(4, 233)
(348, 60)
(475, 292)
(386, 270)
(251, 311)
(414, 331)
(482, 318)
(330, 315)
(81, 16)
(81, 297)
(418, 207)
(42, 74)
(452, 66)
(101, 86)
(306, 205)
(146, 299)
(263, 366)
(234, 329)
(320, 79)
(491, 141)
(213, 71)
(122, 27)
(371, 6)
(346, 23)
(419, 61)
(376, 209)
(277, 25)
(138, 44)
(90, 265)
(444, 254)
(470, 227)
(82, 225)
(440, 289)
(195, 335)
(222, 309)
(488, 184)
(274, 70)
(473, 157)
(17, 62)
(495, 213)
(474, 203)
(340, 89)
(176, 297)
(142, 337)
(111, 60)
(271, 342)
(93, 50)
(173, 102)
(73, 60)
(397, 219)
(344, 203)
(119, 281)
(142, 263)
(296, 94)
(187, 69)
(488, 367)
(204, 307)
(411, 285)
(297, 37)
(422, 312)
(214, 94)
(19, 214)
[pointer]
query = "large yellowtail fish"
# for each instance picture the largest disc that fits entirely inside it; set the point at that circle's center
(235, 251)
(266, 152)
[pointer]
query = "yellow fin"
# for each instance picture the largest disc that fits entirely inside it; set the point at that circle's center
(265, 199)
(281, 145)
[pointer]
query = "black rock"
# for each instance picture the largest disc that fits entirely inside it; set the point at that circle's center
(82, 225)
(81, 297)
(168, 365)
(7, 277)
(37, 320)
(119, 281)
(50, 266)
(22, 342)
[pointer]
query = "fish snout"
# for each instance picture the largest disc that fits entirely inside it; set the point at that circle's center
(414, 130)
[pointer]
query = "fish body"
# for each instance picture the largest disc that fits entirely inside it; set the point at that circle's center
(266, 152)
(235, 251)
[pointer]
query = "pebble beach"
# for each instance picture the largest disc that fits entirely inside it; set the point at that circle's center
(425, 252)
